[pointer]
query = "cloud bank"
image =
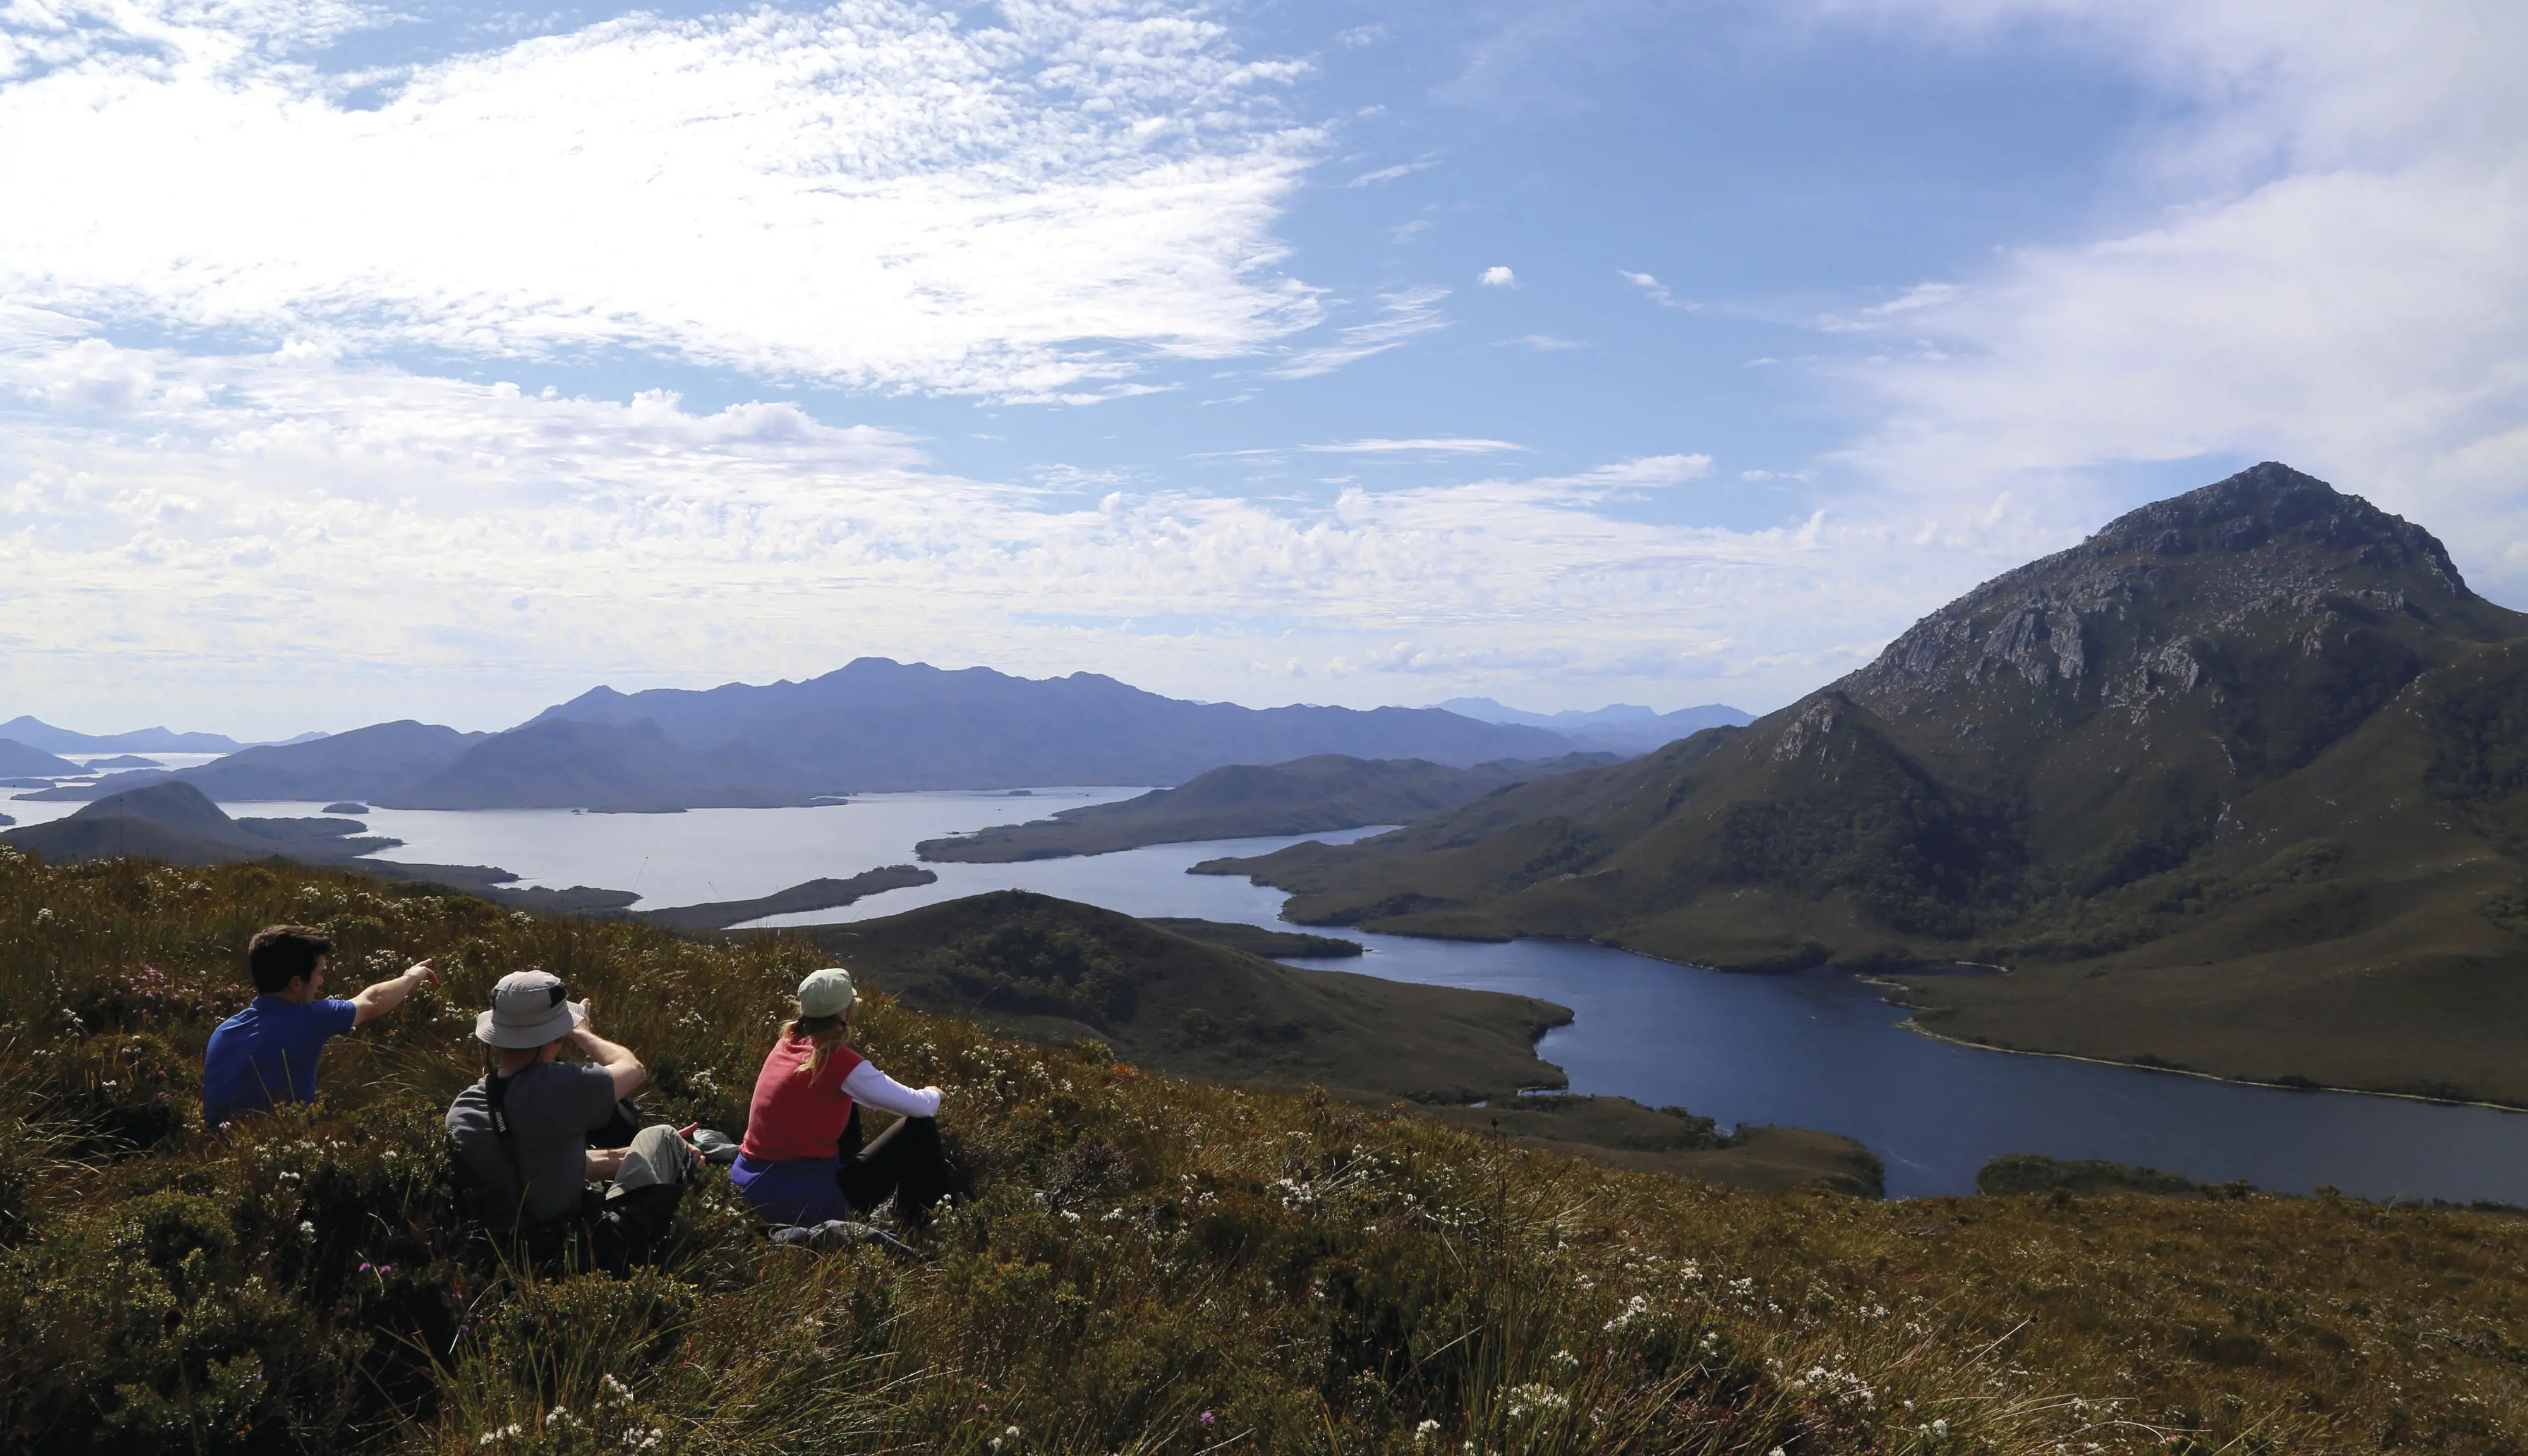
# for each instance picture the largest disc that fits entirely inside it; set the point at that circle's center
(872, 195)
(210, 526)
(2328, 265)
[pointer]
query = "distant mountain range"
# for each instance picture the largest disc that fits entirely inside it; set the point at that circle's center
(364, 765)
(2241, 784)
(36, 734)
(879, 725)
(1621, 727)
(873, 726)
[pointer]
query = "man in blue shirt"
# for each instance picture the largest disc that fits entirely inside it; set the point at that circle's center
(267, 1053)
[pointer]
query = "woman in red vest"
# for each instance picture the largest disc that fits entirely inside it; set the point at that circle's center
(804, 1160)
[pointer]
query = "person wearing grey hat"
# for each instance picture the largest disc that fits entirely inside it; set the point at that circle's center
(804, 1160)
(549, 1145)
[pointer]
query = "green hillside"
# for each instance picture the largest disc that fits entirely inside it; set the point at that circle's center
(1056, 970)
(1053, 970)
(1150, 1265)
(1244, 801)
(2237, 784)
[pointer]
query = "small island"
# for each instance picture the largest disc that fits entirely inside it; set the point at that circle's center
(814, 895)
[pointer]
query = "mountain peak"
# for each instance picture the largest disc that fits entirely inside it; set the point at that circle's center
(2268, 575)
(2274, 505)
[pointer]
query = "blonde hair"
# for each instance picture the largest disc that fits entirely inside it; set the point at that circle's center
(817, 1027)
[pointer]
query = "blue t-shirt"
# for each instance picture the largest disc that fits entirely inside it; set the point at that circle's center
(267, 1053)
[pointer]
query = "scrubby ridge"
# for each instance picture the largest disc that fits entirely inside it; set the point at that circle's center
(1152, 1265)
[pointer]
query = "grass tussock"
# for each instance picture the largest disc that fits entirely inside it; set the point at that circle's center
(1149, 1266)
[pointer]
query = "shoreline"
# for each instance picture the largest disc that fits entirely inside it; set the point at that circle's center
(1914, 1025)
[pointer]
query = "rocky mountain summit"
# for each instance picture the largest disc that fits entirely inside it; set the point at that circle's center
(2241, 782)
(2289, 610)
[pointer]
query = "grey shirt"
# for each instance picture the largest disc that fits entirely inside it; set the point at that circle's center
(552, 1107)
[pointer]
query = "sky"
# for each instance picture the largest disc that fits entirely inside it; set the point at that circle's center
(361, 363)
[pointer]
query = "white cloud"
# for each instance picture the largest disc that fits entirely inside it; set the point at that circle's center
(1420, 446)
(1360, 35)
(1402, 318)
(1642, 470)
(1391, 173)
(1650, 287)
(1498, 277)
(287, 538)
(2336, 279)
(1448, 446)
(863, 195)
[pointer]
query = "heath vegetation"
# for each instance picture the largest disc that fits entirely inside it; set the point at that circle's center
(1149, 1265)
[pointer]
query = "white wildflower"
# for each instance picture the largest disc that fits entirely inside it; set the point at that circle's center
(1535, 1399)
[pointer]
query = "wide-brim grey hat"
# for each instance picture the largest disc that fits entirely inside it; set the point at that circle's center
(529, 1008)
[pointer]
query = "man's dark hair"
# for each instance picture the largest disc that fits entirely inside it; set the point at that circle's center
(280, 954)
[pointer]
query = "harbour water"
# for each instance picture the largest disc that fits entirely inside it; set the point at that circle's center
(1815, 1051)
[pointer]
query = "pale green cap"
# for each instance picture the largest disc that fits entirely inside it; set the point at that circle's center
(826, 993)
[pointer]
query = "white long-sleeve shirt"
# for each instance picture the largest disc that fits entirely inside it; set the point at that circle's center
(873, 1088)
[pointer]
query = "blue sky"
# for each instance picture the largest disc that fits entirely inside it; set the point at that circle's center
(356, 366)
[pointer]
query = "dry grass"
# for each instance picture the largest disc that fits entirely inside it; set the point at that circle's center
(1150, 1266)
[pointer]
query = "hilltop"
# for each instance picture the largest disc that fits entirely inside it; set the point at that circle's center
(1055, 970)
(17, 759)
(1307, 796)
(2235, 785)
(1149, 1264)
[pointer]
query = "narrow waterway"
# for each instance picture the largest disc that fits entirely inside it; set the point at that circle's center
(1810, 1051)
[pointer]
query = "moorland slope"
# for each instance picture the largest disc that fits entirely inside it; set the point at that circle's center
(2238, 784)
(1148, 1264)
